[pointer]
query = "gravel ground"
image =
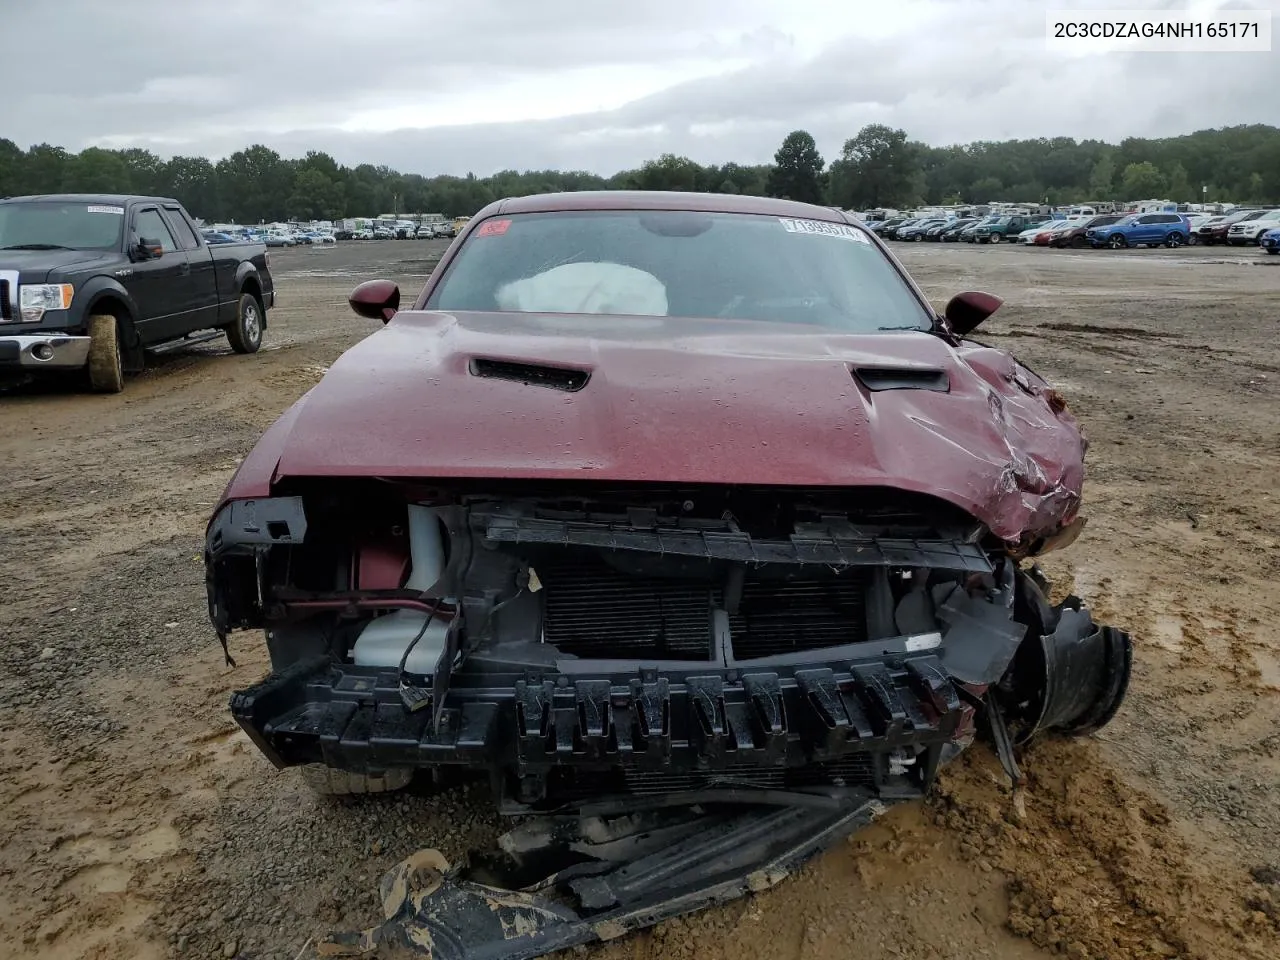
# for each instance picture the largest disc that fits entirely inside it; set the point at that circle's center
(141, 823)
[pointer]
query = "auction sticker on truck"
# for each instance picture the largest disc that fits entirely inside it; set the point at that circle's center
(821, 227)
(99, 209)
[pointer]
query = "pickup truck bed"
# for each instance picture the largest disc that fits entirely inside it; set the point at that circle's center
(91, 283)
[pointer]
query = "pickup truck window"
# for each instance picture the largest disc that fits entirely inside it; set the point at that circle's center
(150, 225)
(186, 236)
(60, 225)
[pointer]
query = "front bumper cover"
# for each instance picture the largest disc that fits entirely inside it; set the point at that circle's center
(556, 883)
(30, 352)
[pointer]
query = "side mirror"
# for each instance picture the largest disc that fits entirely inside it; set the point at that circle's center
(966, 310)
(149, 249)
(376, 299)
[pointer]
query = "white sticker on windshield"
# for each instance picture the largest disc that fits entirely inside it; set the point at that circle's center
(119, 210)
(842, 230)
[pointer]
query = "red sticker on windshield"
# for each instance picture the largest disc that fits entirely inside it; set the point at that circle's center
(493, 228)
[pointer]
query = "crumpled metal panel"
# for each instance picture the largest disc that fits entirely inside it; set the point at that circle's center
(683, 401)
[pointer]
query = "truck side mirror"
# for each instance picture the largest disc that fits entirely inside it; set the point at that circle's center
(148, 249)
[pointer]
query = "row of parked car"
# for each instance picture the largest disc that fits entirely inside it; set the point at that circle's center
(272, 238)
(404, 231)
(295, 238)
(1114, 231)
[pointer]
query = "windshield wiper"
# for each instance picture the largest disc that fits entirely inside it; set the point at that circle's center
(37, 246)
(910, 326)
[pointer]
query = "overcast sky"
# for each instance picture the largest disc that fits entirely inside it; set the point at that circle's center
(430, 86)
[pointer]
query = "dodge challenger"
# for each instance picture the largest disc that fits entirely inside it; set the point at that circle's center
(661, 498)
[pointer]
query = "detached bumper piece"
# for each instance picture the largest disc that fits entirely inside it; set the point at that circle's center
(559, 882)
(564, 740)
(1071, 682)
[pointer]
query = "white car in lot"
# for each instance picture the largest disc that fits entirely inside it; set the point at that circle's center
(1250, 231)
(1029, 235)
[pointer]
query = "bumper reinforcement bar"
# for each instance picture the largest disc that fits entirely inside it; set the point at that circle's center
(353, 717)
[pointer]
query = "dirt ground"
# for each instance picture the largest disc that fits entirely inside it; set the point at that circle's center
(137, 822)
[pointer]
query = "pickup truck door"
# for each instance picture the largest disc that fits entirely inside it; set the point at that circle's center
(159, 285)
(200, 303)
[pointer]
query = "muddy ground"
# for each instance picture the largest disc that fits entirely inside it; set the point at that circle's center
(138, 823)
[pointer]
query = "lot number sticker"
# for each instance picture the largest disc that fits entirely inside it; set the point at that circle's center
(119, 210)
(841, 230)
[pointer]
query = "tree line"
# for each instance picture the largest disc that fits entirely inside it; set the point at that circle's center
(879, 167)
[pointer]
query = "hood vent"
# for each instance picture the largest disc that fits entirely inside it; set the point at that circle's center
(569, 379)
(902, 378)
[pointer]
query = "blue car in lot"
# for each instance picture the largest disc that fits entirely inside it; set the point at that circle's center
(1142, 229)
(1270, 241)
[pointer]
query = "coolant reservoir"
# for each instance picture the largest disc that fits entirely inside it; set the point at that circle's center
(383, 641)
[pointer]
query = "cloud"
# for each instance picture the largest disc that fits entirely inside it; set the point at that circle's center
(493, 84)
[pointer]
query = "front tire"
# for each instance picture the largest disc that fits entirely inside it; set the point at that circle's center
(331, 782)
(245, 334)
(1117, 241)
(106, 369)
(995, 238)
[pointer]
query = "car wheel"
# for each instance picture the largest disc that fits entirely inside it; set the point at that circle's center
(1174, 239)
(1117, 241)
(331, 782)
(106, 369)
(996, 238)
(245, 335)
(1078, 242)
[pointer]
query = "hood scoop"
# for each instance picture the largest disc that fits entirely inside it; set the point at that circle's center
(902, 378)
(568, 379)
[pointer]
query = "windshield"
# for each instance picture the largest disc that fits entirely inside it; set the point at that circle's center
(53, 225)
(681, 264)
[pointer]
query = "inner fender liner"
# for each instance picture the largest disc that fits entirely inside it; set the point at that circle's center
(594, 880)
(1072, 679)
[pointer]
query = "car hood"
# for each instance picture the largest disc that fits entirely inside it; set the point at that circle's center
(34, 266)
(688, 401)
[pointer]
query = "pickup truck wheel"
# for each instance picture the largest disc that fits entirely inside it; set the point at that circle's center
(331, 782)
(245, 335)
(106, 371)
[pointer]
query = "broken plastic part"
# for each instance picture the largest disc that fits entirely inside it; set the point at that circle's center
(559, 882)
(981, 636)
(1072, 679)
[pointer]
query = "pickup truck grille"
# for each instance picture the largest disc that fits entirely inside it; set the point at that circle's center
(7, 290)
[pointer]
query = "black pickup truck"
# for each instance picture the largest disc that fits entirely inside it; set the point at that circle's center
(91, 283)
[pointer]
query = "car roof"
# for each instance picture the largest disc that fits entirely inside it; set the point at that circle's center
(662, 200)
(117, 199)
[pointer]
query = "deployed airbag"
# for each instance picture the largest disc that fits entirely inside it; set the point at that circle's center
(587, 288)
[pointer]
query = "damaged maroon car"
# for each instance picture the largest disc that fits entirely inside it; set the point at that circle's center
(661, 500)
